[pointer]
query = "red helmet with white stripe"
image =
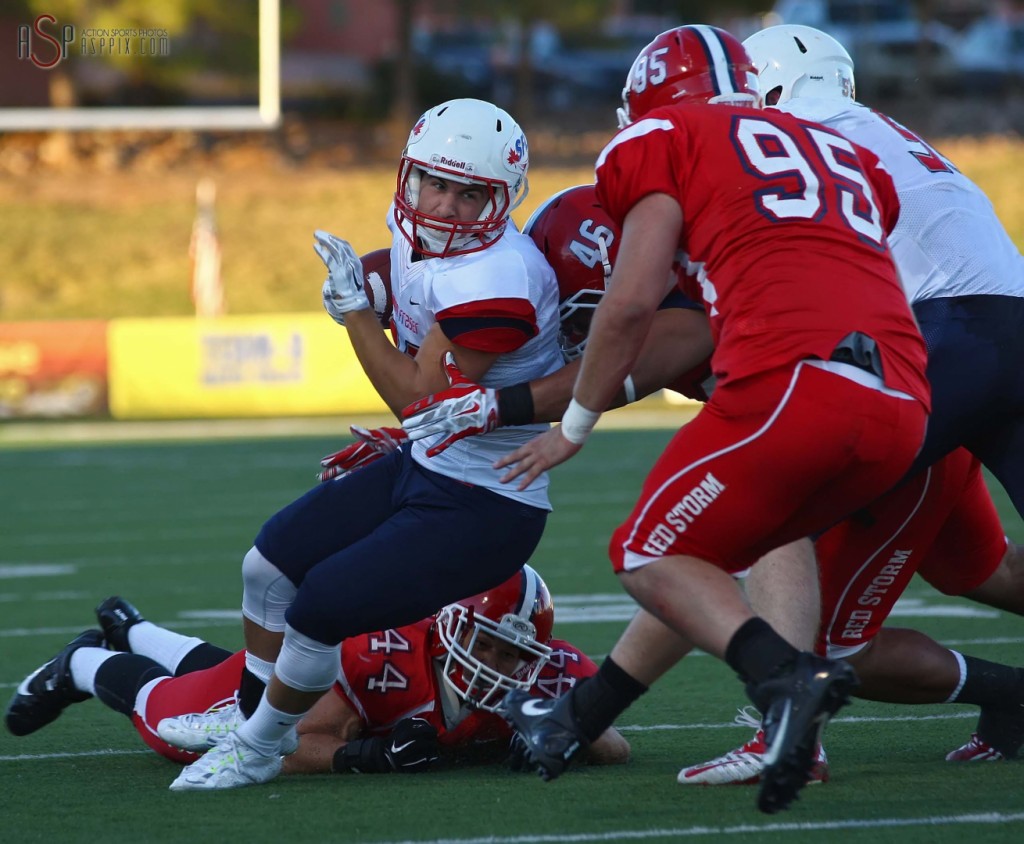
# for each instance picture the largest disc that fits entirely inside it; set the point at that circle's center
(689, 64)
(580, 242)
(518, 612)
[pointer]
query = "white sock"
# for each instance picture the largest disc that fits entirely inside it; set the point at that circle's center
(260, 667)
(963, 676)
(85, 662)
(160, 644)
(267, 727)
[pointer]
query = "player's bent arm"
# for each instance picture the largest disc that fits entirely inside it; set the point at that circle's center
(551, 393)
(328, 726)
(399, 379)
(609, 748)
(637, 286)
(678, 340)
(471, 362)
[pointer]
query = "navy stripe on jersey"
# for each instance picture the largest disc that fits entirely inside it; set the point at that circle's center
(491, 334)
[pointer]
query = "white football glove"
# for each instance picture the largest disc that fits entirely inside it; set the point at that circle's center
(465, 409)
(343, 290)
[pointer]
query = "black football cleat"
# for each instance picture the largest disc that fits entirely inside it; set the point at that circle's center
(549, 730)
(1002, 728)
(48, 691)
(802, 700)
(116, 616)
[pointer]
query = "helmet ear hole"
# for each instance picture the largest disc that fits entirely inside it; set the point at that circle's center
(773, 96)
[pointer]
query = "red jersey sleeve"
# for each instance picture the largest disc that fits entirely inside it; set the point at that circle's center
(883, 186)
(491, 325)
(640, 160)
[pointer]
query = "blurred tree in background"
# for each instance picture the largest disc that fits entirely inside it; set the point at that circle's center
(215, 49)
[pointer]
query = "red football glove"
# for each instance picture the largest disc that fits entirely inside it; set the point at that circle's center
(370, 445)
(463, 410)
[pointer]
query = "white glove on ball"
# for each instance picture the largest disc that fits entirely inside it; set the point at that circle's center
(343, 290)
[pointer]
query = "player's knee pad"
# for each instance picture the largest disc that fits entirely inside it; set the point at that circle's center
(266, 592)
(306, 664)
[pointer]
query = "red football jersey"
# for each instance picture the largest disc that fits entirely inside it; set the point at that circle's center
(390, 675)
(784, 234)
(385, 677)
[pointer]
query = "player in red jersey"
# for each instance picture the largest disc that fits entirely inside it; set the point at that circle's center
(820, 403)
(403, 697)
(941, 523)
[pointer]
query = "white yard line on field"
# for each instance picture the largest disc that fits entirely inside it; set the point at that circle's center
(989, 818)
(636, 728)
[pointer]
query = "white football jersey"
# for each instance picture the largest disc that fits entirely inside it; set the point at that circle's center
(948, 241)
(509, 271)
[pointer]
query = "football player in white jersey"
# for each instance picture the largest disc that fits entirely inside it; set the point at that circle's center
(962, 273)
(964, 278)
(404, 536)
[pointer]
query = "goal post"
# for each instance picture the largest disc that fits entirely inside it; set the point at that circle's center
(265, 115)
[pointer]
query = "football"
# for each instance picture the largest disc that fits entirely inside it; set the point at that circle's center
(377, 283)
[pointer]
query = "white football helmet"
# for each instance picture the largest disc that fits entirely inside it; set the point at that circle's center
(468, 141)
(800, 61)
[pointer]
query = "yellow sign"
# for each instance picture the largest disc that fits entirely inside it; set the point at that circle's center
(263, 365)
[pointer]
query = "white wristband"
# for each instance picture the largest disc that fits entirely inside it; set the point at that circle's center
(630, 389)
(578, 422)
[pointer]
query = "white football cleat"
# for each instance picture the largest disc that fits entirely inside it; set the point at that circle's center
(744, 765)
(230, 764)
(199, 731)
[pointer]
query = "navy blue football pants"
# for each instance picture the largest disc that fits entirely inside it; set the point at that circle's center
(393, 543)
(976, 370)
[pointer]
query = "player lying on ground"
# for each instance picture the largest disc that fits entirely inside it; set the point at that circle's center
(403, 699)
(941, 524)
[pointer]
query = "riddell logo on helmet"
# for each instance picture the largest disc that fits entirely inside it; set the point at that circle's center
(450, 162)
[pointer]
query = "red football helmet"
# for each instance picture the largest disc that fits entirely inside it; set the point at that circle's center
(689, 64)
(580, 242)
(519, 612)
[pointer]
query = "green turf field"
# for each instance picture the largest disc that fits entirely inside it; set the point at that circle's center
(166, 525)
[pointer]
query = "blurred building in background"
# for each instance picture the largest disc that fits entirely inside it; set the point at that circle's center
(550, 63)
(119, 336)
